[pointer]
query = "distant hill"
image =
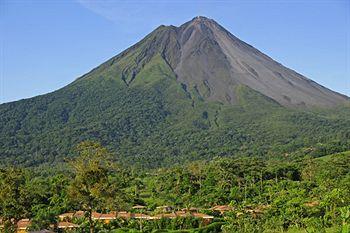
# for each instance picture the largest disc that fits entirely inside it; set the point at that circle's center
(182, 93)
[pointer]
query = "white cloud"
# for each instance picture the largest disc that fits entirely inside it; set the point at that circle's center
(121, 11)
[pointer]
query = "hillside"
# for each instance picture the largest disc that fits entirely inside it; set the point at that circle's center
(180, 94)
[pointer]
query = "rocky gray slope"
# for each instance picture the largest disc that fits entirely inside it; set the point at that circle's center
(209, 59)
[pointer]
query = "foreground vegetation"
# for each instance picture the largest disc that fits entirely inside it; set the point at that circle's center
(308, 193)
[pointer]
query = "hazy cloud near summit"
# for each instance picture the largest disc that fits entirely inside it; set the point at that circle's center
(130, 12)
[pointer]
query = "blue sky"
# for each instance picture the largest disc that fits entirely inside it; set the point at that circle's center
(47, 44)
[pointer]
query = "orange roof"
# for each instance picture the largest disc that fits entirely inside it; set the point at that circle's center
(190, 209)
(23, 223)
(141, 216)
(164, 206)
(112, 215)
(200, 215)
(79, 214)
(69, 215)
(154, 217)
(95, 215)
(124, 214)
(182, 214)
(312, 203)
(62, 225)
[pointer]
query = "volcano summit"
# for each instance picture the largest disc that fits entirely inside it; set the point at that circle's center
(209, 59)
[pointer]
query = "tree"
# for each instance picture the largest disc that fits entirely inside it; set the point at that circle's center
(51, 200)
(91, 188)
(13, 202)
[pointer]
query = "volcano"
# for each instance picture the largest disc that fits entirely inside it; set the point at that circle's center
(206, 57)
(181, 93)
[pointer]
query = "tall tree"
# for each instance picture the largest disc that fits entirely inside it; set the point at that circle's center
(13, 202)
(91, 187)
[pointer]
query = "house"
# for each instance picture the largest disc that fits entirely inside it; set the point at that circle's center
(124, 215)
(22, 225)
(154, 217)
(182, 214)
(95, 215)
(257, 210)
(311, 204)
(139, 207)
(191, 209)
(67, 225)
(66, 216)
(222, 208)
(200, 215)
(106, 218)
(70, 215)
(206, 218)
(141, 216)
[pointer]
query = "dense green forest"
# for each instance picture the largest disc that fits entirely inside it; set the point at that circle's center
(145, 125)
(304, 194)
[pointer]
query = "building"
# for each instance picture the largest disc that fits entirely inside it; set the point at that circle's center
(139, 207)
(23, 225)
(124, 215)
(67, 226)
(311, 204)
(106, 218)
(70, 215)
(222, 208)
(141, 216)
